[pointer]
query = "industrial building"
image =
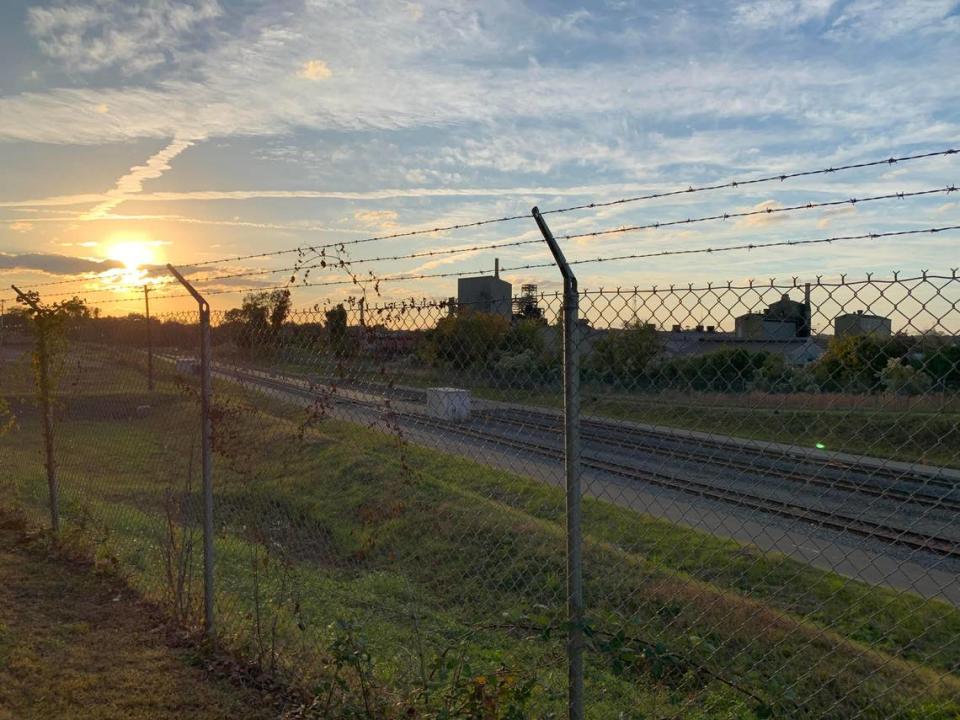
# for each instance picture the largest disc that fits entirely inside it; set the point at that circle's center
(486, 293)
(861, 323)
(703, 340)
(781, 320)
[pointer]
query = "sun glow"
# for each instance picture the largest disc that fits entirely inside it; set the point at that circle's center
(136, 254)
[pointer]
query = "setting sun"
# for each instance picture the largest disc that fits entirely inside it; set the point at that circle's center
(134, 255)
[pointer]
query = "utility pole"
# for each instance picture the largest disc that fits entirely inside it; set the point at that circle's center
(146, 302)
(46, 408)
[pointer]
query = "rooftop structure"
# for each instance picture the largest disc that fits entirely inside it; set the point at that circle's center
(861, 323)
(781, 320)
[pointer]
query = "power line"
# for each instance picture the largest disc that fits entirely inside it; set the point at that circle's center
(535, 266)
(764, 211)
(305, 249)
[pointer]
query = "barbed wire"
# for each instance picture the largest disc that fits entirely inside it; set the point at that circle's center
(382, 258)
(535, 266)
(763, 211)
(775, 243)
(740, 183)
(303, 249)
(596, 233)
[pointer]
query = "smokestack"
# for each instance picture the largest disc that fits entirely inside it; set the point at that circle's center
(496, 267)
(807, 312)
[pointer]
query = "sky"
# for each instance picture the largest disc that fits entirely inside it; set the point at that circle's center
(139, 132)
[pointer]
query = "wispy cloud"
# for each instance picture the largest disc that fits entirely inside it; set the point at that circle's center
(881, 19)
(767, 14)
(135, 35)
(388, 193)
(56, 264)
(132, 182)
(376, 218)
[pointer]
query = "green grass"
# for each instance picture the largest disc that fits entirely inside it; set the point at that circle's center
(426, 549)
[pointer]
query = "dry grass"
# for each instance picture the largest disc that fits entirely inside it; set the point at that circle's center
(77, 644)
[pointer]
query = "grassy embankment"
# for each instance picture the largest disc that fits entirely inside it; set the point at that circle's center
(433, 552)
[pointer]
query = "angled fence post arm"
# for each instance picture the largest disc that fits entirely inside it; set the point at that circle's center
(571, 433)
(206, 393)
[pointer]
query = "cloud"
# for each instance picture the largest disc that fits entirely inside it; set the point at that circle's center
(882, 20)
(315, 70)
(56, 264)
(517, 192)
(762, 220)
(102, 108)
(783, 14)
(830, 214)
(134, 35)
(376, 218)
(132, 182)
(21, 226)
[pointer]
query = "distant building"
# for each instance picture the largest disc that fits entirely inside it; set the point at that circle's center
(860, 323)
(488, 294)
(781, 320)
(704, 340)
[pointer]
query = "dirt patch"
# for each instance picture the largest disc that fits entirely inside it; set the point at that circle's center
(78, 644)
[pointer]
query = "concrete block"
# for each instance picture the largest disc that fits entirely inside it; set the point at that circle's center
(446, 403)
(188, 366)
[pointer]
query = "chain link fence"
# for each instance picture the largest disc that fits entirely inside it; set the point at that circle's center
(768, 474)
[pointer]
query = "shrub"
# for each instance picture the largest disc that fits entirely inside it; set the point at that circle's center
(622, 356)
(901, 379)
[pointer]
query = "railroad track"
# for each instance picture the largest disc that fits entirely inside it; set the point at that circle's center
(629, 439)
(794, 511)
(727, 445)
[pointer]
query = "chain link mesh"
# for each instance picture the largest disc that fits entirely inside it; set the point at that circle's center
(769, 478)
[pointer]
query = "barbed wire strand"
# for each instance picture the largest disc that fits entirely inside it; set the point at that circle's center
(651, 226)
(534, 266)
(651, 196)
(763, 211)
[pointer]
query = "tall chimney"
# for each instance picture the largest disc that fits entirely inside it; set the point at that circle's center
(807, 312)
(496, 267)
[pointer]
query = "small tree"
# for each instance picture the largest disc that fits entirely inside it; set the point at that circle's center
(259, 319)
(49, 323)
(468, 339)
(337, 330)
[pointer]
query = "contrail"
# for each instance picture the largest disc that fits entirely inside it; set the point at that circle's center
(132, 182)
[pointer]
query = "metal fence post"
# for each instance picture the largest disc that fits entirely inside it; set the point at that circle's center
(46, 409)
(571, 431)
(146, 302)
(206, 434)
